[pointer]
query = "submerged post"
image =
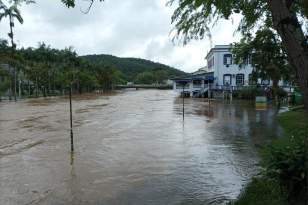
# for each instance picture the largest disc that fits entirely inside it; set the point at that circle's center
(183, 99)
(71, 119)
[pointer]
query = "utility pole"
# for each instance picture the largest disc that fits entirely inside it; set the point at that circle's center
(71, 119)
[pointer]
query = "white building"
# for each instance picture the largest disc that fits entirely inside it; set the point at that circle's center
(220, 74)
(226, 73)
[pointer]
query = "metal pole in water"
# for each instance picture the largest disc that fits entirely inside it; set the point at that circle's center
(71, 120)
(183, 100)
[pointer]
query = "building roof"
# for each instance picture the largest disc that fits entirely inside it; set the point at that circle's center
(199, 76)
(218, 48)
(202, 70)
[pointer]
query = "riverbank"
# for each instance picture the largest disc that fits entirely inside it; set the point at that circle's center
(284, 176)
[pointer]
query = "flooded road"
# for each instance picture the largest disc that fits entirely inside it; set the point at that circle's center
(130, 148)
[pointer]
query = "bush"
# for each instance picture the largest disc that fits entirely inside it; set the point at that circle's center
(262, 191)
(286, 161)
(285, 166)
(248, 93)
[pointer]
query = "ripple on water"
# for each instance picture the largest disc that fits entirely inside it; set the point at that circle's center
(131, 148)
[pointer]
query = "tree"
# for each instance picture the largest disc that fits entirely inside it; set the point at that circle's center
(108, 76)
(145, 78)
(194, 18)
(12, 12)
(160, 75)
(265, 52)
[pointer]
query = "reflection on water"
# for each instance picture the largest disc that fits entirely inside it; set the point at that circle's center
(131, 148)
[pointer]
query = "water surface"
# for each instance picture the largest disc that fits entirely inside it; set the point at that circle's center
(132, 147)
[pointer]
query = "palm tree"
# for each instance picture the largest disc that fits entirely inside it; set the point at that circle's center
(12, 12)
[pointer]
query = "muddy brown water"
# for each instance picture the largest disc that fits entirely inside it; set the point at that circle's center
(132, 147)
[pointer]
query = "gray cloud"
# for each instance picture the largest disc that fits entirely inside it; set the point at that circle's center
(131, 28)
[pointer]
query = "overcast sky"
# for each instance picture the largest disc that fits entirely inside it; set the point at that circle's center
(130, 28)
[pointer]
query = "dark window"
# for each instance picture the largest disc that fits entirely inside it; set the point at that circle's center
(227, 79)
(227, 59)
(240, 79)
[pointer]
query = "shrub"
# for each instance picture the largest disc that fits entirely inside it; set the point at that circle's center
(286, 161)
(262, 191)
(248, 93)
(285, 166)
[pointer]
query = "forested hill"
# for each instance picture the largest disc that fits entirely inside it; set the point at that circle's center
(134, 69)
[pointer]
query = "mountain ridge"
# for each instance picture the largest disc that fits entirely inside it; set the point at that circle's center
(132, 67)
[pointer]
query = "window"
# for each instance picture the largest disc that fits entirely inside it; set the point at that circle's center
(252, 79)
(227, 79)
(227, 59)
(240, 79)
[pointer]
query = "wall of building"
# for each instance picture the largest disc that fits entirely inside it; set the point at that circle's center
(220, 69)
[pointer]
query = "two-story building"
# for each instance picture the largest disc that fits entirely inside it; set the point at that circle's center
(226, 72)
(221, 73)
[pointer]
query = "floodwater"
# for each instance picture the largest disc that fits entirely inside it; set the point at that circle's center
(132, 147)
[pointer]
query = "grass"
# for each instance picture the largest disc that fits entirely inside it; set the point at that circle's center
(283, 161)
(261, 191)
(294, 123)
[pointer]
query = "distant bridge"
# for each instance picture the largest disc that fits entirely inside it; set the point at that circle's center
(141, 86)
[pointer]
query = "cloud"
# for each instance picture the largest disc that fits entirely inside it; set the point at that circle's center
(132, 28)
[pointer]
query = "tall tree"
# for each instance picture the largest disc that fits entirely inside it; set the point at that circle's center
(193, 19)
(12, 12)
(265, 52)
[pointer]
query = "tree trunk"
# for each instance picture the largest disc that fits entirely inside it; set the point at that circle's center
(275, 88)
(11, 35)
(293, 39)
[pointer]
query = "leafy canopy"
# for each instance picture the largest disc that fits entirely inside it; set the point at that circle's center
(265, 52)
(193, 19)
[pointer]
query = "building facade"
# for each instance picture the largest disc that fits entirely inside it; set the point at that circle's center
(221, 73)
(226, 72)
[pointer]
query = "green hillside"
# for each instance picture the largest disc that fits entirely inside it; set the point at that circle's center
(135, 69)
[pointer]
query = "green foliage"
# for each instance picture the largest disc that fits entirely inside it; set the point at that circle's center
(108, 76)
(132, 68)
(12, 12)
(294, 123)
(265, 52)
(262, 191)
(193, 19)
(145, 78)
(50, 71)
(286, 159)
(4, 81)
(285, 166)
(248, 93)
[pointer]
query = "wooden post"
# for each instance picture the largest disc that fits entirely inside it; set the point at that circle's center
(71, 119)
